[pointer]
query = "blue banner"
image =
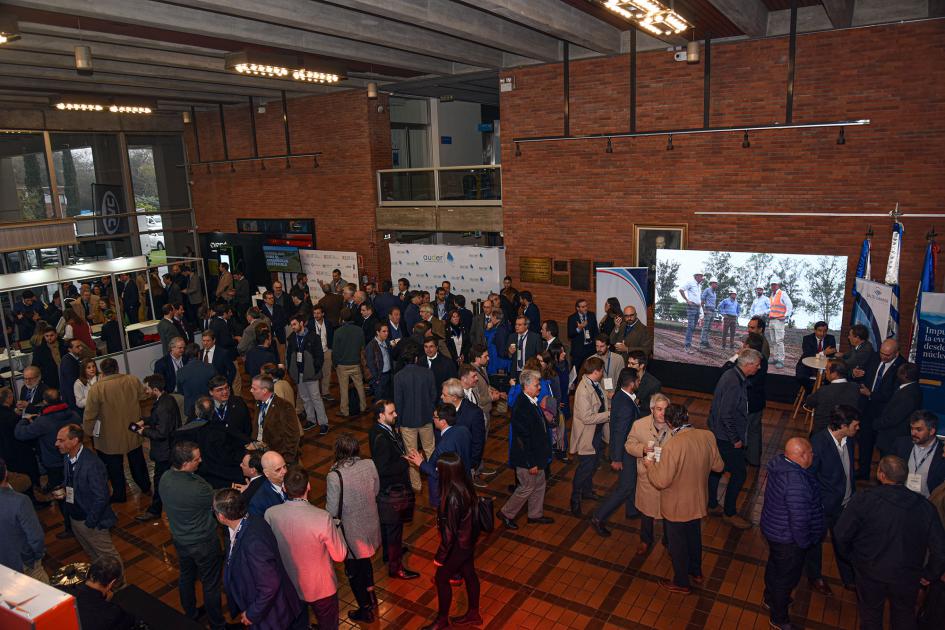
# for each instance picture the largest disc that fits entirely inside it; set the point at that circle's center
(930, 352)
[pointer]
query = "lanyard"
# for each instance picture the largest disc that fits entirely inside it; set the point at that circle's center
(222, 417)
(912, 459)
(681, 428)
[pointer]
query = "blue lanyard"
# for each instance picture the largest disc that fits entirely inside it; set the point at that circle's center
(225, 408)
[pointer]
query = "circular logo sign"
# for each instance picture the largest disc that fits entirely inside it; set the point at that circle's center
(110, 210)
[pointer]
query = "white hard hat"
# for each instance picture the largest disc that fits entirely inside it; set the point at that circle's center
(775, 280)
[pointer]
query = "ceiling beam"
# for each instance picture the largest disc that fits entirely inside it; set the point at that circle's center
(559, 20)
(357, 26)
(36, 28)
(840, 12)
(187, 20)
(460, 20)
(936, 8)
(10, 79)
(750, 16)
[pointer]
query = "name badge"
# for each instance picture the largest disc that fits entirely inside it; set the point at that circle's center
(298, 357)
(914, 482)
(70, 494)
(608, 383)
(587, 335)
(97, 428)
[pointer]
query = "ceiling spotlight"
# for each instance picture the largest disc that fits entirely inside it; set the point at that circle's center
(372, 90)
(9, 29)
(649, 15)
(610, 146)
(518, 150)
(83, 60)
(745, 142)
(186, 117)
(842, 138)
(669, 143)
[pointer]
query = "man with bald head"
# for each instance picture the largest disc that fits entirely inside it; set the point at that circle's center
(630, 334)
(792, 522)
(271, 492)
(877, 385)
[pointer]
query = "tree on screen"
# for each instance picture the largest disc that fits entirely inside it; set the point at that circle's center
(667, 273)
(754, 273)
(791, 271)
(718, 267)
(825, 285)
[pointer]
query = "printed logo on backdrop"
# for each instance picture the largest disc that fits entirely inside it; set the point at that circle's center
(109, 204)
(426, 266)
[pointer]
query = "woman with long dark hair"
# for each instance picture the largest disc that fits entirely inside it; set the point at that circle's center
(459, 529)
(612, 311)
(457, 337)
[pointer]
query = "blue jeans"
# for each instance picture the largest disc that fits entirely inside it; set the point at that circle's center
(692, 317)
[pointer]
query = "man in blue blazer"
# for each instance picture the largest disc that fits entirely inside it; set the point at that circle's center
(453, 439)
(193, 379)
(168, 365)
(23, 547)
(833, 467)
(530, 311)
(623, 413)
(270, 492)
(582, 331)
(469, 415)
(217, 356)
(86, 494)
(922, 452)
(258, 589)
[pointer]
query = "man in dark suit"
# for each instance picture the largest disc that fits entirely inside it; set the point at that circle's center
(469, 415)
(531, 312)
(443, 368)
(270, 493)
(833, 468)
(276, 315)
(860, 353)
(453, 439)
(812, 345)
(878, 386)
(264, 352)
(193, 378)
(922, 452)
(130, 299)
(251, 467)
(523, 345)
(465, 315)
(582, 331)
(69, 366)
(414, 396)
(894, 421)
(220, 325)
(259, 592)
(837, 391)
(647, 384)
(216, 356)
(30, 399)
(379, 357)
(368, 321)
(385, 300)
(48, 355)
(623, 413)
(168, 365)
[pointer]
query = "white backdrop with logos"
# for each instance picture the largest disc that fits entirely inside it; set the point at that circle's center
(627, 284)
(318, 264)
(873, 310)
(474, 272)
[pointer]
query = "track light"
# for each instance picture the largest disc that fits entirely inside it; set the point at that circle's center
(83, 60)
(669, 143)
(745, 142)
(842, 138)
(610, 146)
(518, 150)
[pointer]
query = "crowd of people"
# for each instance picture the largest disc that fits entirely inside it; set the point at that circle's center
(230, 479)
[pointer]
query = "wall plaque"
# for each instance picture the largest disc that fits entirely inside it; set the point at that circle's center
(534, 269)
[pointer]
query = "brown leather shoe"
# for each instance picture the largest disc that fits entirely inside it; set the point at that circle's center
(736, 521)
(643, 549)
(672, 587)
(820, 586)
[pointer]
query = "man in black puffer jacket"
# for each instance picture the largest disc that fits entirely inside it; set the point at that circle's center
(792, 521)
(894, 539)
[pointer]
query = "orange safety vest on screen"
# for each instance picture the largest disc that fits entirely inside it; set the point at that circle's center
(778, 310)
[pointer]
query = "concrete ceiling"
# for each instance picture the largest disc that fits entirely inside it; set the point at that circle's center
(173, 50)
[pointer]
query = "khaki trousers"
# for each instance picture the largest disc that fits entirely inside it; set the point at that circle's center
(37, 572)
(326, 373)
(413, 440)
(530, 490)
(97, 543)
(352, 372)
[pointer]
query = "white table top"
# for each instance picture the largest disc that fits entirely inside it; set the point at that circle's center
(817, 363)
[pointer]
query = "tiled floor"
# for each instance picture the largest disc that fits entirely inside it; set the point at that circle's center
(561, 575)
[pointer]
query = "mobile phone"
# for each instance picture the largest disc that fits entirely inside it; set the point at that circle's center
(133, 427)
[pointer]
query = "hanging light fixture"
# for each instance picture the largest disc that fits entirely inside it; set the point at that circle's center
(83, 60)
(610, 146)
(372, 90)
(842, 138)
(745, 142)
(518, 150)
(93, 103)
(650, 15)
(9, 28)
(274, 66)
(692, 52)
(669, 143)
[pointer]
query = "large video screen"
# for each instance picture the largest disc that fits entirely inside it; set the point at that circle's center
(812, 289)
(282, 258)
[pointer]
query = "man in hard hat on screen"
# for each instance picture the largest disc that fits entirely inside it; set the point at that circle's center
(779, 312)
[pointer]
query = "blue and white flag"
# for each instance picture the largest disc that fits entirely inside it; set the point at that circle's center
(861, 310)
(926, 285)
(892, 279)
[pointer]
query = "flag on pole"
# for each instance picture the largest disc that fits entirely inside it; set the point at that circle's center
(862, 271)
(892, 279)
(926, 284)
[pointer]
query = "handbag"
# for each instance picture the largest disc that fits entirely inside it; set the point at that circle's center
(341, 503)
(396, 504)
(485, 514)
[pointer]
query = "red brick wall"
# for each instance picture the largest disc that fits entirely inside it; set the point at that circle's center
(573, 200)
(341, 194)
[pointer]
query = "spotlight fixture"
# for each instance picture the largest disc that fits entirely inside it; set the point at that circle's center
(518, 150)
(9, 29)
(842, 138)
(745, 142)
(275, 66)
(649, 15)
(692, 52)
(83, 60)
(610, 146)
(669, 143)
(185, 116)
(372, 90)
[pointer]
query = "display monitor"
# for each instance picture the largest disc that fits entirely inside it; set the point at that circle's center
(282, 258)
(812, 289)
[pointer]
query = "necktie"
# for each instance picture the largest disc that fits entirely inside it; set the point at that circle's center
(521, 352)
(600, 396)
(820, 345)
(206, 356)
(879, 375)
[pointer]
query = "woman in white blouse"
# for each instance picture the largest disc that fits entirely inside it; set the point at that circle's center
(88, 376)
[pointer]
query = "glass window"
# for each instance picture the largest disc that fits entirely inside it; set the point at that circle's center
(24, 178)
(160, 183)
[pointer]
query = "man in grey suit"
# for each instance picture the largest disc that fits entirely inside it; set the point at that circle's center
(839, 391)
(893, 423)
(166, 328)
(24, 545)
(523, 345)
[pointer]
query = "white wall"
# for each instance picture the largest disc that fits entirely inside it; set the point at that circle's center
(459, 121)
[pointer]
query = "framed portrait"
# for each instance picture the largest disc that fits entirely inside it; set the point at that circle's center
(649, 238)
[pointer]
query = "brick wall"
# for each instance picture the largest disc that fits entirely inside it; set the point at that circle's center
(340, 194)
(573, 200)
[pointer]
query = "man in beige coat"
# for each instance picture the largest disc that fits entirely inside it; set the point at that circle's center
(224, 281)
(591, 412)
(89, 307)
(113, 403)
(646, 434)
(682, 476)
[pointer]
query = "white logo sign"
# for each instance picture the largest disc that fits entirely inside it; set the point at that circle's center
(110, 208)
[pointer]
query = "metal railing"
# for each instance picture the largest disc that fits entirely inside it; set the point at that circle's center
(475, 185)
